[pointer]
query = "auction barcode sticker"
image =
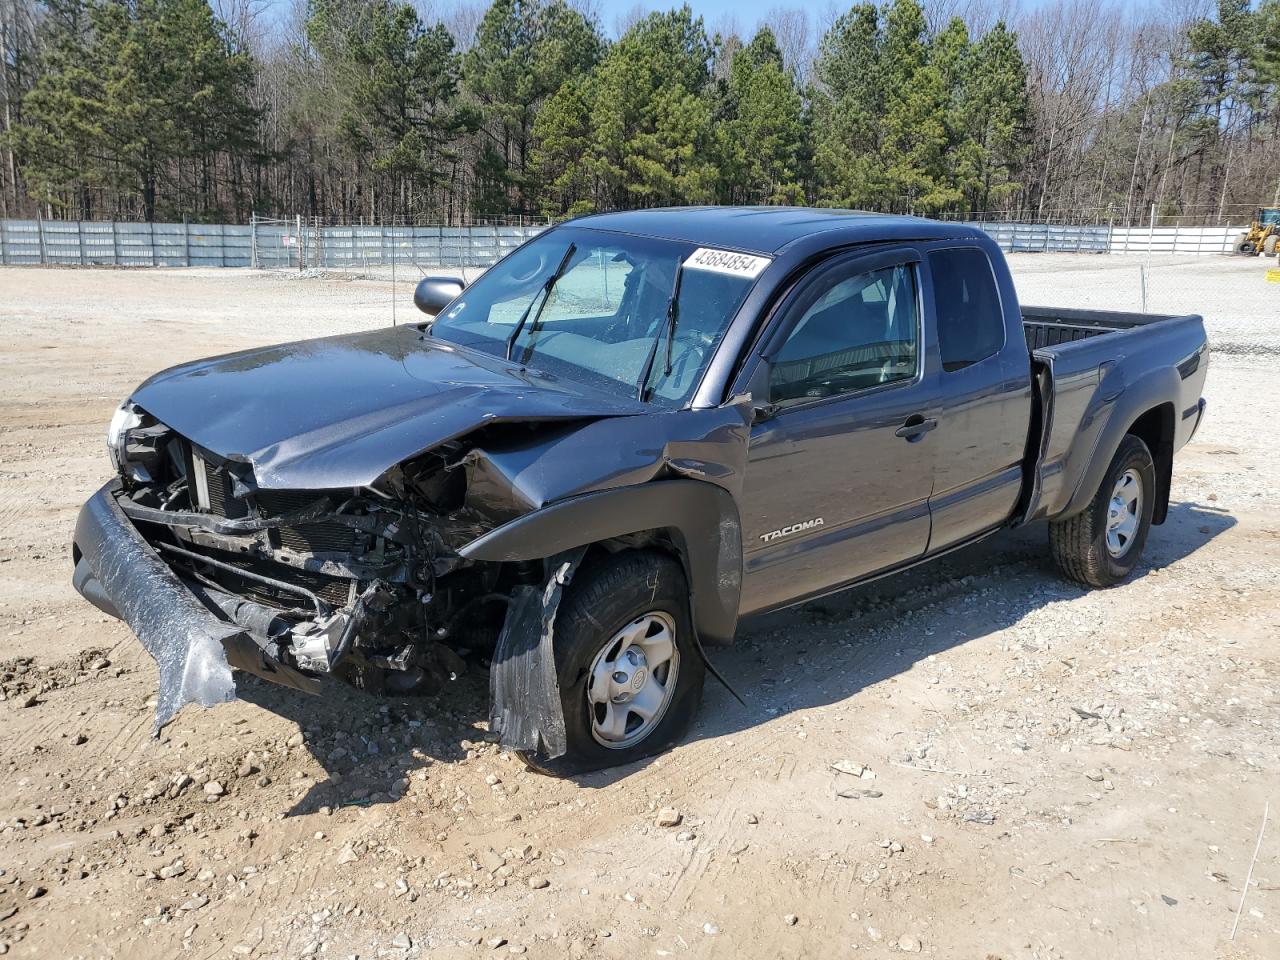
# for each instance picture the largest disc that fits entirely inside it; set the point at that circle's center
(726, 261)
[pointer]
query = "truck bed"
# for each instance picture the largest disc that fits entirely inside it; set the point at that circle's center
(1053, 326)
(1099, 370)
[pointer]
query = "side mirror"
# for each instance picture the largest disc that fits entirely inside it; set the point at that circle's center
(758, 390)
(760, 412)
(433, 294)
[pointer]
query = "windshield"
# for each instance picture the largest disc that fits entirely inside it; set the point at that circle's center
(596, 307)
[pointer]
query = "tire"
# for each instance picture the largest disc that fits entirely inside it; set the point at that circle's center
(1269, 245)
(610, 610)
(1081, 545)
(1248, 248)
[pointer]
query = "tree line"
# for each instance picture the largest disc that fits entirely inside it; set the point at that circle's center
(383, 111)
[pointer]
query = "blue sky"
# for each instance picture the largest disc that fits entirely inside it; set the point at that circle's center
(748, 12)
(715, 13)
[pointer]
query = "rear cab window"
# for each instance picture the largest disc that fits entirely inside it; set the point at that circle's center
(967, 303)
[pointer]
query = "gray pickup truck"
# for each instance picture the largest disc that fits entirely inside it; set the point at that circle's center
(632, 432)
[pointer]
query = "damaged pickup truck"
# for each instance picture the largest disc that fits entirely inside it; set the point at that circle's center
(630, 433)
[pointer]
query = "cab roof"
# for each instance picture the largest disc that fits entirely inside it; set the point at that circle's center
(767, 230)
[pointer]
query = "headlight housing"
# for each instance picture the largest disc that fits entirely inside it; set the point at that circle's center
(122, 421)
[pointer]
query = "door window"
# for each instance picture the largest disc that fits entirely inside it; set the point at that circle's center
(970, 321)
(856, 332)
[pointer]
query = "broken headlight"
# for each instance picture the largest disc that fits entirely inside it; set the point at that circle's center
(122, 421)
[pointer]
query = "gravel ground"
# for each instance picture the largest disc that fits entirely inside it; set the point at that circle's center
(1045, 772)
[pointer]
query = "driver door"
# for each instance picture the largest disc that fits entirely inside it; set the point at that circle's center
(839, 476)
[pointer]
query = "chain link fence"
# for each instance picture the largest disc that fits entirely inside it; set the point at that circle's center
(301, 244)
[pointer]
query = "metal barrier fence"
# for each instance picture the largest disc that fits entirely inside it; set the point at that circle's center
(1046, 238)
(281, 243)
(86, 243)
(296, 244)
(262, 243)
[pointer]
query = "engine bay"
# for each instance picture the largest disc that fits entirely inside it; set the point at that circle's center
(361, 583)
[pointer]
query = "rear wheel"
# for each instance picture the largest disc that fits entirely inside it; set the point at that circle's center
(630, 673)
(1101, 545)
(1248, 248)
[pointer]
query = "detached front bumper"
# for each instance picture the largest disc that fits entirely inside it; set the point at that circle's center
(119, 573)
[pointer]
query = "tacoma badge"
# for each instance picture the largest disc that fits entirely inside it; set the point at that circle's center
(794, 528)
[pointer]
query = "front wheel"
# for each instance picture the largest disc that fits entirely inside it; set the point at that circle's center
(629, 669)
(1101, 545)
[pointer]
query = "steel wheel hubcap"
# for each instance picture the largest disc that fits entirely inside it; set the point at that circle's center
(1123, 513)
(632, 681)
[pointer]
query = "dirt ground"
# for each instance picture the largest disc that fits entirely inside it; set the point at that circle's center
(1051, 773)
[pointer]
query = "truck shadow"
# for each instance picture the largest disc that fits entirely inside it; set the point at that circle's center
(370, 745)
(835, 647)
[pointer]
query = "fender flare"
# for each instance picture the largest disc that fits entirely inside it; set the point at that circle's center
(701, 518)
(1137, 399)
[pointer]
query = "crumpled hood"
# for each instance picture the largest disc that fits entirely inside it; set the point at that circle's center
(340, 411)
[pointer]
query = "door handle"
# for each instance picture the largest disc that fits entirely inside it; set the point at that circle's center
(915, 427)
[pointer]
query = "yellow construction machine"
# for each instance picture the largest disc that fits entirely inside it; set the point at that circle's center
(1263, 234)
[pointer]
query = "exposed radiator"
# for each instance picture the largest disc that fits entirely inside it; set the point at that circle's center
(305, 537)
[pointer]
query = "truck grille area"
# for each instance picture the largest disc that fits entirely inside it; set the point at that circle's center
(335, 591)
(211, 488)
(306, 537)
(315, 537)
(318, 538)
(217, 482)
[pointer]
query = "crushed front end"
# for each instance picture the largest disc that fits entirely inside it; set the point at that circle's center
(362, 584)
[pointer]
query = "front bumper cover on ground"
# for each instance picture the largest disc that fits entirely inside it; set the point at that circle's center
(119, 573)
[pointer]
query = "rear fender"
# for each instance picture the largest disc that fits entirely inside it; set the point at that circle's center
(1151, 392)
(700, 518)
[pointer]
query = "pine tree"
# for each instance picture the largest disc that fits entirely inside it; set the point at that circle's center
(650, 119)
(914, 148)
(398, 113)
(563, 137)
(60, 115)
(1223, 53)
(524, 52)
(147, 98)
(209, 92)
(760, 127)
(848, 102)
(993, 117)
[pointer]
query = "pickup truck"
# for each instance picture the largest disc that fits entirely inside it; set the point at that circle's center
(629, 434)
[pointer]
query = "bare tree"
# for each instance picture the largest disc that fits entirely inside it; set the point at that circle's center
(726, 26)
(461, 19)
(792, 29)
(978, 15)
(627, 19)
(1066, 46)
(244, 19)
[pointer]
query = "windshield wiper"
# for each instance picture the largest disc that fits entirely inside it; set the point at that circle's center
(546, 295)
(668, 337)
